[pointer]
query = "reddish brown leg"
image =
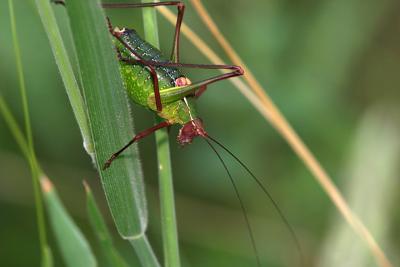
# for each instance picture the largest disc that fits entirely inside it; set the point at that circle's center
(236, 71)
(58, 2)
(134, 139)
(201, 90)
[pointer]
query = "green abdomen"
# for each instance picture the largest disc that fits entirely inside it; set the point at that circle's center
(139, 83)
(137, 77)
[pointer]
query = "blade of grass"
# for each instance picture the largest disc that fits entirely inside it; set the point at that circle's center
(20, 72)
(279, 122)
(14, 128)
(167, 201)
(64, 65)
(367, 175)
(74, 247)
(110, 123)
(48, 257)
(214, 58)
(144, 250)
(110, 253)
(108, 116)
(46, 254)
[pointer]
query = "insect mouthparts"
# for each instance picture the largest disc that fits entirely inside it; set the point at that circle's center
(190, 130)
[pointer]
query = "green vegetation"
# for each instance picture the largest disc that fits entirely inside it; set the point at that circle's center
(327, 65)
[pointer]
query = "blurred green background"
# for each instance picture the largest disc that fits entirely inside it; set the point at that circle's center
(333, 69)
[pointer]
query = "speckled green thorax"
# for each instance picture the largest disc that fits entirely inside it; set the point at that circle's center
(139, 83)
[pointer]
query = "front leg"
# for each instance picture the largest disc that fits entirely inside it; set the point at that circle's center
(136, 138)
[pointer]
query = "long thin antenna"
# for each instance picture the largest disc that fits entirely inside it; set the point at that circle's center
(253, 242)
(268, 194)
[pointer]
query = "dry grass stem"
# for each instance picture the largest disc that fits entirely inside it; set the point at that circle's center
(214, 58)
(255, 93)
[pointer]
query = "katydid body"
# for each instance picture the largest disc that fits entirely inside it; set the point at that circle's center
(157, 83)
(140, 85)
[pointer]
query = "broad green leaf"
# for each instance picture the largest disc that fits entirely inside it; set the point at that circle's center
(109, 117)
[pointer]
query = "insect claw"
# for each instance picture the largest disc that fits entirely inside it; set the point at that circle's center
(58, 2)
(107, 164)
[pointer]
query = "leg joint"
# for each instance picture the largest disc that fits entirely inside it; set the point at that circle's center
(181, 5)
(58, 2)
(239, 70)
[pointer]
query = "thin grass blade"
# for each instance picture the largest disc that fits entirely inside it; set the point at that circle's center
(66, 71)
(47, 260)
(46, 254)
(74, 247)
(109, 252)
(167, 201)
(371, 171)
